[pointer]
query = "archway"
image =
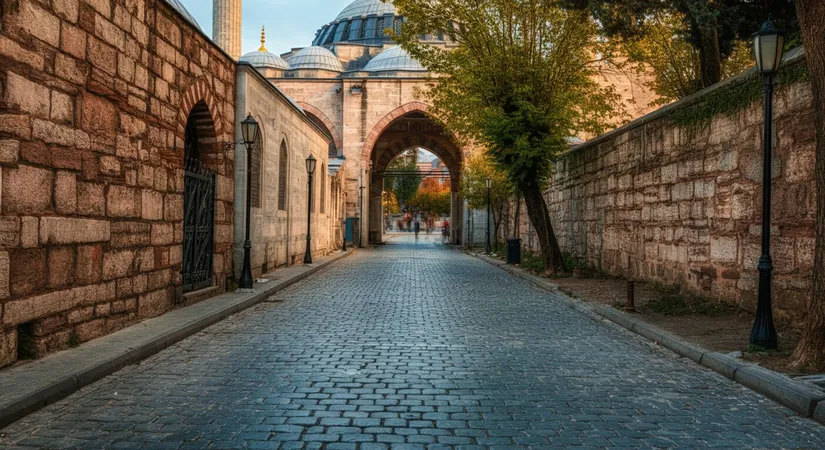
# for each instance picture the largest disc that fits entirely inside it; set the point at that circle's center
(200, 159)
(410, 127)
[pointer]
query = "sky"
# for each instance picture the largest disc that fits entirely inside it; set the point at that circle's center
(289, 23)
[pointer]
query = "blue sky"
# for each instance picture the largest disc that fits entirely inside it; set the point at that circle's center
(289, 23)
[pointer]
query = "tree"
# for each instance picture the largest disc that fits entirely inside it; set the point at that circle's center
(664, 51)
(713, 26)
(405, 184)
(476, 169)
(519, 82)
(810, 352)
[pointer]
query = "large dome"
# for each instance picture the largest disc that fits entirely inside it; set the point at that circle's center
(265, 60)
(364, 8)
(315, 58)
(183, 11)
(394, 59)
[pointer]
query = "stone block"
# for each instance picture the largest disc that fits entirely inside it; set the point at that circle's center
(52, 133)
(722, 364)
(805, 250)
(173, 207)
(66, 9)
(796, 395)
(9, 151)
(39, 23)
(65, 192)
(117, 264)
(91, 330)
(61, 266)
(90, 199)
(801, 164)
(704, 188)
(123, 201)
(682, 191)
(27, 190)
(8, 346)
(28, 269)
(98, 115)
(102, 56)
(89, 269)
(29, 96)
(4, 274)
(14, 51)
(9, 232)
(81, 314)
(65, 230)
(154, 304)
(62, 109)
(724, 249)
(109, 165)
(162, 234)
(17, 125)
(29, 232)
(70, 69)
(152, 205)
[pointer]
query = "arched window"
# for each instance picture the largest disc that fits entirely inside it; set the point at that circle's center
(283, 163)
(323, 187)
(255, 172)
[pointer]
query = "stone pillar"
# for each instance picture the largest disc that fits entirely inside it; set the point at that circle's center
(376, 214)
(226, 26)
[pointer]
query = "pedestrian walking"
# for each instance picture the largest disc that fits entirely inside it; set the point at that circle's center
(417, 227)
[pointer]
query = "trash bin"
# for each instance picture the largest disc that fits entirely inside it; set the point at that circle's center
(513, 251)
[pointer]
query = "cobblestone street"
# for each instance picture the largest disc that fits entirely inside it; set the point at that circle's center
(413, 345)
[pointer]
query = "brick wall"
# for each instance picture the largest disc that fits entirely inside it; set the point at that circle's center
(94, 96)
(682, 204)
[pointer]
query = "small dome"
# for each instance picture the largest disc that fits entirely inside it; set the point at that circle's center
(361, 8)
(394, 59)
(262, 59)
(315, 58)
(183, 11)
(265, 60)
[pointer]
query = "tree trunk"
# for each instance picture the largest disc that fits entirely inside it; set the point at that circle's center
(540, 219)
(810, 353)
(711, 58)
(517, 220)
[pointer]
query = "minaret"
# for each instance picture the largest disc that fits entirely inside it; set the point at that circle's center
(226, 26)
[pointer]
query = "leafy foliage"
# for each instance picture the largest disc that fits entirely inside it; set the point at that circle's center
(520, 81)
(403, 187)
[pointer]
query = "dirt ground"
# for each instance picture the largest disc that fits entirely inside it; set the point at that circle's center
(723, 331)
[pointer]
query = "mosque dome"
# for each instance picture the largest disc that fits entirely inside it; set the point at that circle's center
(315, 58)
(262, 59)
(364, 8)
(394, 59)
(178, 6)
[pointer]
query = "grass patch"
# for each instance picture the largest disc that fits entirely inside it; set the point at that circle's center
(673, 302)
(532, 261)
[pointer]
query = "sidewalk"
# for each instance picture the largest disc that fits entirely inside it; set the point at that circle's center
(27, 388)
(807, 399)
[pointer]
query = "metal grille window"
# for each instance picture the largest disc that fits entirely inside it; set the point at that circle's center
(255, 173)
(282, 174)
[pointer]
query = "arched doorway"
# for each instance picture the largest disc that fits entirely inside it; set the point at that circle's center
(413, 128)
(199, 199)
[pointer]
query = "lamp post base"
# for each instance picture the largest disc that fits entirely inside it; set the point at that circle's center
(246, 282)
(308, 254)
(763, 334)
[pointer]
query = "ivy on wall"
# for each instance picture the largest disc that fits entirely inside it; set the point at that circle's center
(733, 98)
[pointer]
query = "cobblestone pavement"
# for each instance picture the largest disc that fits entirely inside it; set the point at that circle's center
(413, 346)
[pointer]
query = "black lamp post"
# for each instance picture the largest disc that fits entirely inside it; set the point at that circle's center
(249, 130)
(768, 46)
(310, 170)
(489, 183)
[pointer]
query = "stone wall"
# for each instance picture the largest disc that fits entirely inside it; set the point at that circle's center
(682, 204)
(279, 237)
(95, 95)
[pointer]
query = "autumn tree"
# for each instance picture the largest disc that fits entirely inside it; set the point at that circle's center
(401, 178)
(518, 83)
(433, 197)
(810, 352)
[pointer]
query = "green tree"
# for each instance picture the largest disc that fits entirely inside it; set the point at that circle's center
(712, 26)
(810, 352)
(519, 82)
(405, 184)
(477, 168)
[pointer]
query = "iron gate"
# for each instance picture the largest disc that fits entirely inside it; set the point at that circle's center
(198, 226)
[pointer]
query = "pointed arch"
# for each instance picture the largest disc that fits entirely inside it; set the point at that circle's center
(382, 124)
(326, 121)
(283, 174)
(199, 91)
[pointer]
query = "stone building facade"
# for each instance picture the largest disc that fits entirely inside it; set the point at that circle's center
(681, 204)
(279, 219)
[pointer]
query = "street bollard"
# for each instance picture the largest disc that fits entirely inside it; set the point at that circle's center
(631, 296)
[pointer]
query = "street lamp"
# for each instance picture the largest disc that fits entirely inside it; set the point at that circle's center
(249, 130)
(768, 45)
(310, 170)
(489, 183)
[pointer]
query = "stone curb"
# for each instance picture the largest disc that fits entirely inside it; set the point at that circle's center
(54, 388)
(801, 397)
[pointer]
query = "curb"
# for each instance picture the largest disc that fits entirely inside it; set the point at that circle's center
(63, 386)
(805, 399)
